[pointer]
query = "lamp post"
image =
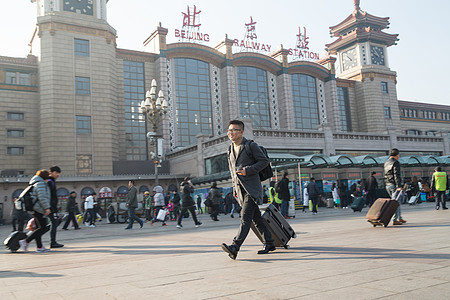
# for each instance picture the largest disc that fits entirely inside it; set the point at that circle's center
(154, 110)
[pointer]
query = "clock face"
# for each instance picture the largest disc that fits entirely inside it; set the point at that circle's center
(377, 55)
(79, 6)
(349, 59)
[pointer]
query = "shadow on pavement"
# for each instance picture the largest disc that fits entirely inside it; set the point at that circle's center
(9, 274)
(316, 253)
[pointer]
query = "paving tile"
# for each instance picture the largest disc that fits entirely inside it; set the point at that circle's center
(336, 255)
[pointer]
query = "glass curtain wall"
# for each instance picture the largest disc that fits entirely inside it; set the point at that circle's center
(306, 110)
(254, 96)
(193, 100)
(134, 93)
(345, 123)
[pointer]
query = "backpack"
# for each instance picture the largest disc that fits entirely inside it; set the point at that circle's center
(25, 202)
(265, 173)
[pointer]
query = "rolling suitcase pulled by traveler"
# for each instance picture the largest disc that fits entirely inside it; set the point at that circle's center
(358, 204)
(381, 211)
(413, 200)
(291, 211)
(280, 229)
(330, 202)
(12, 241)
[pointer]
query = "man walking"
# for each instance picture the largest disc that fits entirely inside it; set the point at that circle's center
(439, 185)
(393, 180)
(132, 204)
(70, 209)
(89, 210)
(55, 171)
(313, 194)
(187, 203)
(372, 186)
(284, 194)
(247, 187)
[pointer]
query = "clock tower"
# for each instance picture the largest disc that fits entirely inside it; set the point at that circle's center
(78, 86)
(361, 49)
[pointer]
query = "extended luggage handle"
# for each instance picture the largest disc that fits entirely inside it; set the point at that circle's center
(396, 195)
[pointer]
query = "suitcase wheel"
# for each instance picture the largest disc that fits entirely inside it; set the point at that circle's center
(286, 246)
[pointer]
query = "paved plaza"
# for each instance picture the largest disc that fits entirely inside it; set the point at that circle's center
(336, 255)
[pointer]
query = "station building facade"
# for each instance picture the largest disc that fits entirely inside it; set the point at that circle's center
(76, 104)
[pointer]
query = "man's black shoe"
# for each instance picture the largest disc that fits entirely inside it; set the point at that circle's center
(267, 249)
(56, 245)
(126, 228)
(445, 207)
(231, 250)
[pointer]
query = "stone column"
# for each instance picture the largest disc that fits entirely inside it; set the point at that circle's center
(200, 161)
(248, 130)
(329, 150)
(446, 142)
(392, 132)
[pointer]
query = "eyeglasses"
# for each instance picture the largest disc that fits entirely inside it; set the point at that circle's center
(233, 130)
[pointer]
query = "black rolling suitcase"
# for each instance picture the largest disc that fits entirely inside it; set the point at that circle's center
(280, 229)
(12, 241)
(358, 204)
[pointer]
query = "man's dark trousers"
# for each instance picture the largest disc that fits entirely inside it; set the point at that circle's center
(440, 197)
(132, 216)
(184, 210)
(55, 224)
(314, 201)
(250, 213)
(371, 197)
(71, 217)
(284, 207)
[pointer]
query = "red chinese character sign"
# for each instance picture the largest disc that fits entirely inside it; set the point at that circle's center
(301, 50)
(250, 40)
(190, 31)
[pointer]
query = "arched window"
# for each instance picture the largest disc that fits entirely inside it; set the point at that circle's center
(16, 193)
(254, 96)
(122, 190)
(86, 191)
(304, 92)
(172, 187)
(143, 189)
(193, 100)
(62, 193)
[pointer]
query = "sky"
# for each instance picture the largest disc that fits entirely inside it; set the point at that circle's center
(421, 25)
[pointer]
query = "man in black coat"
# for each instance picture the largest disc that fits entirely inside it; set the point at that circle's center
(70, 209)
(284, 194)
(313, 192)
(372, 186)
(187, 203)
(55, 171)
(247, 187)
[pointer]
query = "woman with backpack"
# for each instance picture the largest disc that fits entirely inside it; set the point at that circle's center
(41, 209)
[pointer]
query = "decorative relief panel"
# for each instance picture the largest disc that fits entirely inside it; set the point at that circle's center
(170, 99)
(322, 107)
(274, 101)
(217, 100)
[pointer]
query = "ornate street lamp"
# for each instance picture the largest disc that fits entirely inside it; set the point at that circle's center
(154, 110)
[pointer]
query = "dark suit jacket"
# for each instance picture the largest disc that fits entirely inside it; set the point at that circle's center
(251, 182)
(132, 197)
